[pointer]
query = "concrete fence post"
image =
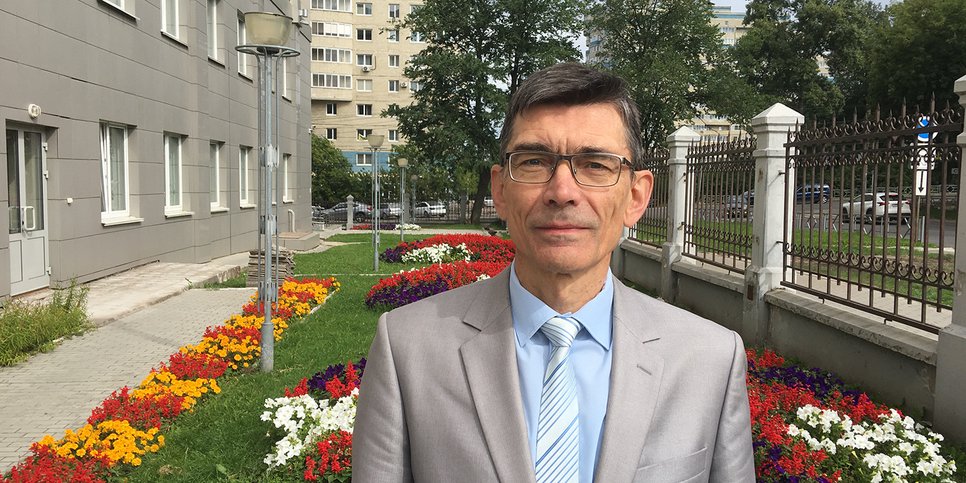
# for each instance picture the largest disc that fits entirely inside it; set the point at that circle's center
(350, 211)
(771, 128)
(950, 405)
(678, 143)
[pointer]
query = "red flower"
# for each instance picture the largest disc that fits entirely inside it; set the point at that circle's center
(300, 390)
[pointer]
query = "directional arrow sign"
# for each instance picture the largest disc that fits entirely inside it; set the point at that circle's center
(921, 178)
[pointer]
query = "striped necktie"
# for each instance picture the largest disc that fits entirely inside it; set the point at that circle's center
(558, 445)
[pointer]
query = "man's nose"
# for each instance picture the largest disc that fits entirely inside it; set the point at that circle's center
(562, 187)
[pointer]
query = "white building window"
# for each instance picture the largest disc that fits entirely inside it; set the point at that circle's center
(393, 60)
(169, 17)
(416, 38)
(243, 177)
(340, 56)
(331, 109)
(393, 10)
(393, 35)
(244, 60)
(334, 5)
(332, 29)
(393, 135)
(172, 174)
(364, 34)
(364, 85)
(331, 133)
(214, 174)
(214, 51)
(415, 86)
(363, 134)
(364, 110)
(393, 86)
(364, 60)
(336, 81)
(283, 64)
(115, 196)
(288, 186)
(363, 159)
(364, 8)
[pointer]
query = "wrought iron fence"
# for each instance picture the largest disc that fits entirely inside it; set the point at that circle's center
(719, 201)
(651, 229)
(871, 214)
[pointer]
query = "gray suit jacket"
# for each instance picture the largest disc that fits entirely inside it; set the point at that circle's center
(440, 398)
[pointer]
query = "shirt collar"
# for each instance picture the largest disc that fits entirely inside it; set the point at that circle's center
(530, 313)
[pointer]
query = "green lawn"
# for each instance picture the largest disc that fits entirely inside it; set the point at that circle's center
(224, 432)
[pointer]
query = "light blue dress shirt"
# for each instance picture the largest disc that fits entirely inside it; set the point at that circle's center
(590, 356)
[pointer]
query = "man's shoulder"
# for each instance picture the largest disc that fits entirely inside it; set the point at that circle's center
(450, 307)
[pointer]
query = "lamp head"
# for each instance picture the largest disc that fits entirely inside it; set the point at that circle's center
(265, 28)
(375, 140)
(402, 162)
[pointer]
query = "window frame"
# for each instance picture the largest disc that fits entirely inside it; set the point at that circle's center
(362, 58)
(393, 82)
(393, 135)
(244, 177)
(390, 59)
(392, 35)
(364, 110)
(214, 49)
(331, 112)
(108, 213)
(166, 17)
(398, 10)
(364, 157)
(364, 9)
(360, 82)
(214, 174)
(364, 35)
(244, 62)
(331, 133)
(288, 189)
(171, 208)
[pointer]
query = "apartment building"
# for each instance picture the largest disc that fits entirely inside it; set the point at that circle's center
(132, 136)
(358, 54)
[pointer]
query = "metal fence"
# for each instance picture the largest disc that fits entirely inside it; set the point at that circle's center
(719, 201)
(651, 229)
(871, 214)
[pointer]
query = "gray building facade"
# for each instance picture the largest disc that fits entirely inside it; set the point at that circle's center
(132, 136)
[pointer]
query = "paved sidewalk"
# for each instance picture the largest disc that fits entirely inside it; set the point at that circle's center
(144, 315)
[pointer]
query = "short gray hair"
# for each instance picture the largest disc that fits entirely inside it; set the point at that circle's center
(573, 84)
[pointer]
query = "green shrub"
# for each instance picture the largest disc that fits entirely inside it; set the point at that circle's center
(30, 327)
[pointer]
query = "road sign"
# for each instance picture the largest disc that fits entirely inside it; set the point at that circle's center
(922, 188)
(924, 137)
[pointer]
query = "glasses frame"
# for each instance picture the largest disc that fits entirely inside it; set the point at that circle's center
(570, 162)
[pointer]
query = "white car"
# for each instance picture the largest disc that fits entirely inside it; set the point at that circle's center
(875, 207)
(424, 208)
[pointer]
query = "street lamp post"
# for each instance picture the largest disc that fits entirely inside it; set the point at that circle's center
(402, 163)
(267, 34)
(375, 141)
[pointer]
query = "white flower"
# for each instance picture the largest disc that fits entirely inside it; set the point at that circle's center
(303, 421)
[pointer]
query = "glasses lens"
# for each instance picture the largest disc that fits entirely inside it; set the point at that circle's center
(597, 169)
(532, 167)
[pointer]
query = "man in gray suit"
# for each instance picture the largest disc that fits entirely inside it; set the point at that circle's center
(554, 370)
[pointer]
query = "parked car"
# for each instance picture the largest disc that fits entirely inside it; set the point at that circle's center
(390, 210)
(488, 201)
(426, 209)
(736, 206)
(317, 213)
(813, 193)
(338, 212)
(875, 207)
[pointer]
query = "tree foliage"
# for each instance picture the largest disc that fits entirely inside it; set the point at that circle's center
(780, 53)
(668, 52)
(332, 175)
(477, 53)
(921, 51)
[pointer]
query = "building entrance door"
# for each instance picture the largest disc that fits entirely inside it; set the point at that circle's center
(26, 193)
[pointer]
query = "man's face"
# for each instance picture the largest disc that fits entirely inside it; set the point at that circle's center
(561, 227)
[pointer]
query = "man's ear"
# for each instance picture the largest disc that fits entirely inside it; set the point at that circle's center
(497, 181)
(640, 196)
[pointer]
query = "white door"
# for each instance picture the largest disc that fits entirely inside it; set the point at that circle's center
(26, 193)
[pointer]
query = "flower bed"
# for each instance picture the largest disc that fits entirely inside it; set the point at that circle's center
(314, 424)
(409, 286)
(482, 248)
(808, 427)
(127, 425)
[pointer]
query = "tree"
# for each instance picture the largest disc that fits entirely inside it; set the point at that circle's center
(780, 53)
(920, 52)
(666, 50)
(478, 52)
(332, 176)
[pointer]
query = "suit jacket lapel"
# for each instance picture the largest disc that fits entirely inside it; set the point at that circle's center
(634, 390)
(489, 359)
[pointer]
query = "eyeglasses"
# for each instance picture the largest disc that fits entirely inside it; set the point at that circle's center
(589, 169)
